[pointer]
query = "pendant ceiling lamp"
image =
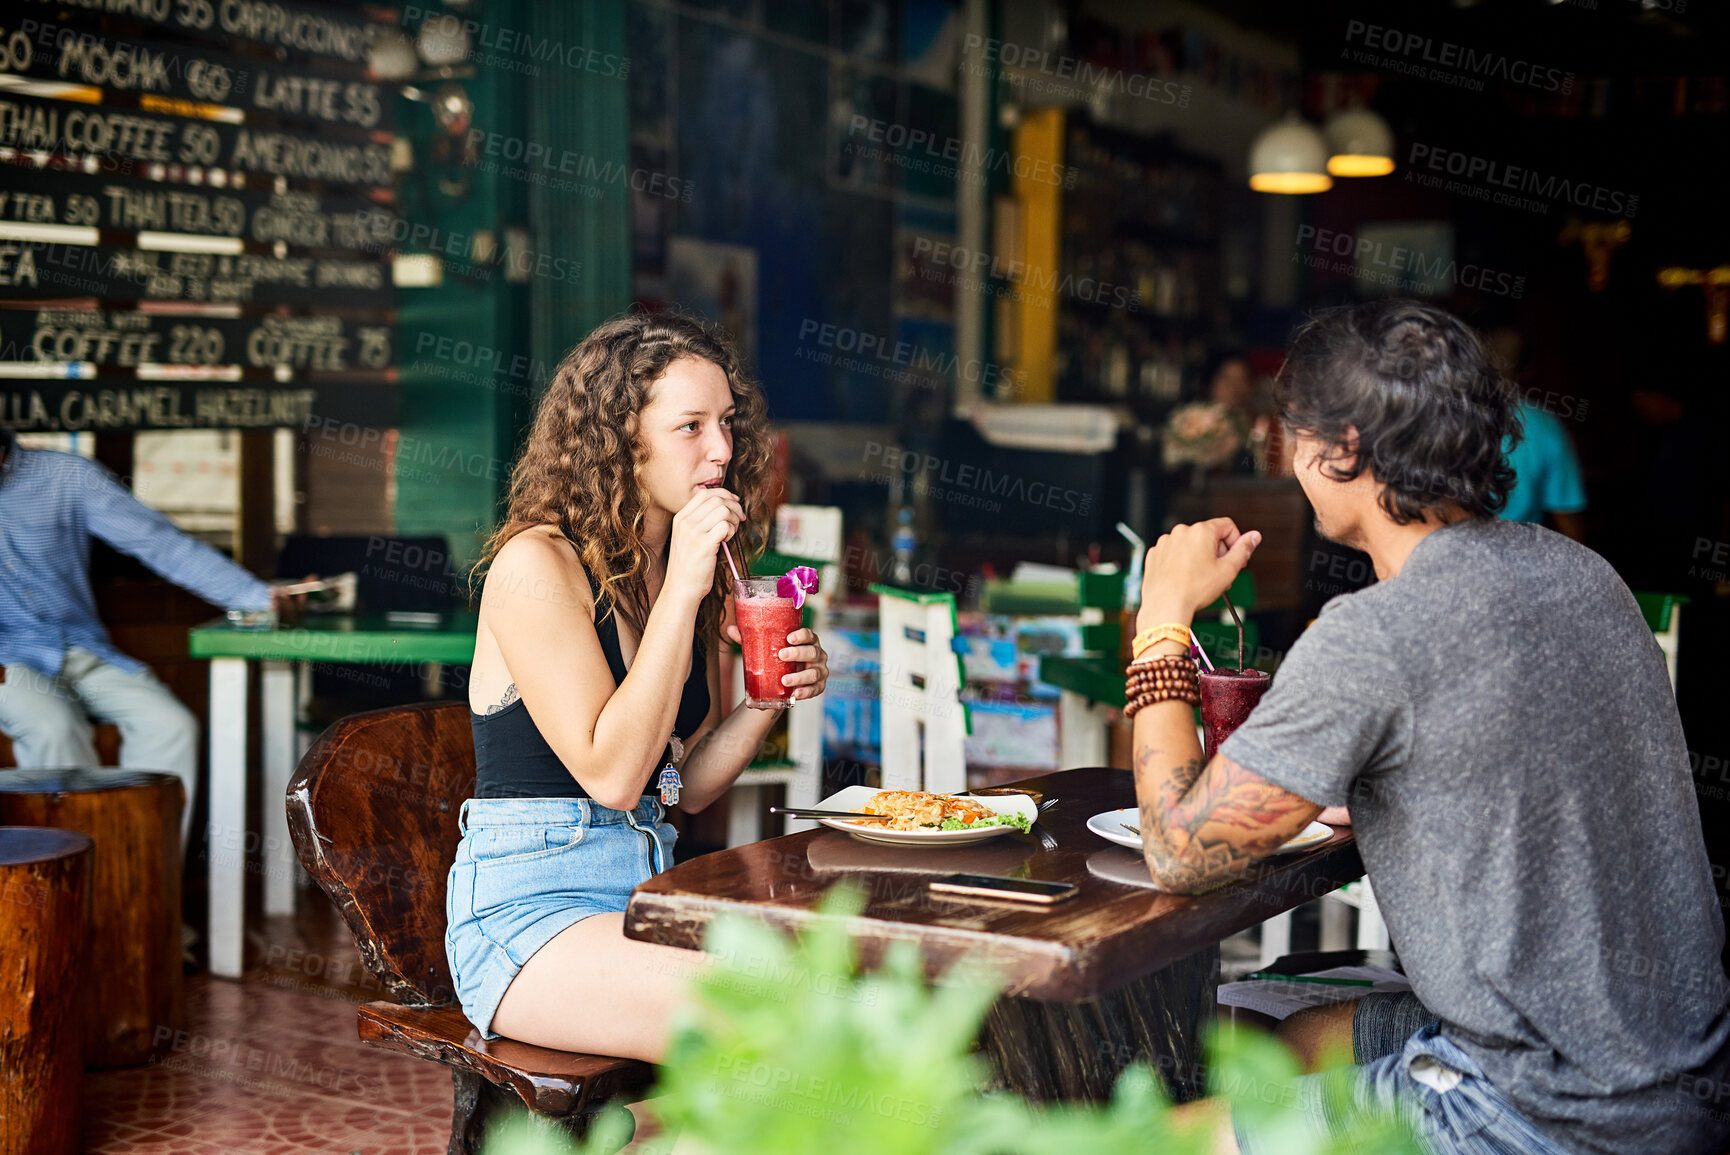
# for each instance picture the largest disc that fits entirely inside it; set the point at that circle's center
(1289, 157)
(1360, 143)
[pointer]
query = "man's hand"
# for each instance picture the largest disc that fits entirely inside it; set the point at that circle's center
(289, 607)
(1190, 567)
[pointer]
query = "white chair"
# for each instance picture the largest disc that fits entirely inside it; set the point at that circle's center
(924, 720)
(812, 531)
(1372, 931)
(1336, 908)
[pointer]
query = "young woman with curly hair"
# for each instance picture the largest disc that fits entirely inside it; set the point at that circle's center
(596, 666)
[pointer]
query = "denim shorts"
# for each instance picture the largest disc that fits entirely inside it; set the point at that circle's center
(1441, 1090)
(528, 868)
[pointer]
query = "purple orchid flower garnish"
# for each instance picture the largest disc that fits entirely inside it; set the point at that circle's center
(796, 583)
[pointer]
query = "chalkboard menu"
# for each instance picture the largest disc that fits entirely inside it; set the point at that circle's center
(196, 215)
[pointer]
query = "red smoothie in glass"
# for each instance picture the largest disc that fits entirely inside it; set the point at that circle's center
(1227, 697)
(765, 619)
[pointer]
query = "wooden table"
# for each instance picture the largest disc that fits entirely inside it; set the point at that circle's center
(369, 638)
(1120, 973)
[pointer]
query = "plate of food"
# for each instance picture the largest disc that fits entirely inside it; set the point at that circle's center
(920, 818)
(1122, 827)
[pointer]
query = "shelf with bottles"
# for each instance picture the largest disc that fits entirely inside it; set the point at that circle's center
(1141, 266)
(1137, 277)
(1164, 191)
(1123, 357)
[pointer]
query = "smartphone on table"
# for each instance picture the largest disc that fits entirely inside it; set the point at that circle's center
(1010, 889)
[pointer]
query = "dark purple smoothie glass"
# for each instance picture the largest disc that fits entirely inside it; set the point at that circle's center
(1227, 697)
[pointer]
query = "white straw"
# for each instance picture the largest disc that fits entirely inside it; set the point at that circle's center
(1203, 653)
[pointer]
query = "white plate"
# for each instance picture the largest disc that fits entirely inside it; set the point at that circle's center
(1128, 869)
(855, 797)
(1109, 826)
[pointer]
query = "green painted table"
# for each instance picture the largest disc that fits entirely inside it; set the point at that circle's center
(1096, 679)
(372, 638)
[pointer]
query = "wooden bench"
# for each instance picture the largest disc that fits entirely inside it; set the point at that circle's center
(373, 813)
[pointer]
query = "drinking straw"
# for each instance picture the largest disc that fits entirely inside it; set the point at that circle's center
(738, 578)
(1239, 620)
(1205, 660)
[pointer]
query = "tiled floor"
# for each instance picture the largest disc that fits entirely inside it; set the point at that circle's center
(271, 1065)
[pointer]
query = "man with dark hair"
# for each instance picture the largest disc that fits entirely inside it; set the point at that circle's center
(1499, 719)
(61, 667)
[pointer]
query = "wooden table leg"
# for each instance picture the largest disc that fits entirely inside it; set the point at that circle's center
(1049, 1051)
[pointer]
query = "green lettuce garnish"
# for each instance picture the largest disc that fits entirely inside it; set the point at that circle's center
(1020, 821)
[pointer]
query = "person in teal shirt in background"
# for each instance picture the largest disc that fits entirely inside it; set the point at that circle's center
(1547, 475)
(1547, 471)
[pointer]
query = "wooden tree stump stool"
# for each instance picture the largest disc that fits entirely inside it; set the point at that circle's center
(44, 915)
(134, 998)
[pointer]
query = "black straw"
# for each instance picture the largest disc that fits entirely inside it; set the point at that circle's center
(1239, 620)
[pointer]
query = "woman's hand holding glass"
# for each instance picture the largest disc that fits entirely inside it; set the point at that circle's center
(813, 673)
(803, 648)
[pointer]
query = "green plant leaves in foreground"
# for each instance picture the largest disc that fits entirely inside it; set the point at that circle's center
(788, 1050)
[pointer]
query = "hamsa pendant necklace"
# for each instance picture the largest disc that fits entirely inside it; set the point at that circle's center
(667, 782)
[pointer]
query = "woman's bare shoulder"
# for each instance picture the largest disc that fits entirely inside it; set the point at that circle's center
(537, 565)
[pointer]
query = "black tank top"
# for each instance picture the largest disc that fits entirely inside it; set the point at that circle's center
(513, 760)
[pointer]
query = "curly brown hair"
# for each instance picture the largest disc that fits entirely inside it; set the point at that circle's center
(581, 466)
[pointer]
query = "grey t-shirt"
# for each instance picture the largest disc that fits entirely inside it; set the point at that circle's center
(1499, 720)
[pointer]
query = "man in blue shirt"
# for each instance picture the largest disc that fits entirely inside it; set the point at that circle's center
(61, 668)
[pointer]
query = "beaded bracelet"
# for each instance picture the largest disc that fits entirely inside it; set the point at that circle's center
(1134, 706)
(1162, 679)
(1142, 667)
